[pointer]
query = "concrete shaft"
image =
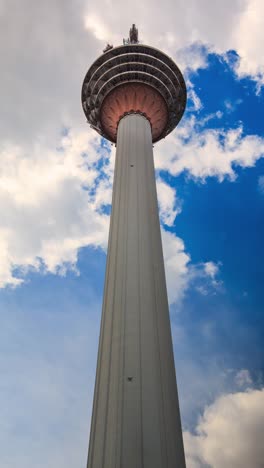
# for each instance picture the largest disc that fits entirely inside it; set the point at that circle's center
(136, 420)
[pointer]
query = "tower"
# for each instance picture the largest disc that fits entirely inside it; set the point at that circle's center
(135, 95)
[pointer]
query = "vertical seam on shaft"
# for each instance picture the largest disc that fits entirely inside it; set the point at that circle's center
(121, 336)
(139, 300)
(101, 337)
(157, 341)
(125, 291)
(112, 319)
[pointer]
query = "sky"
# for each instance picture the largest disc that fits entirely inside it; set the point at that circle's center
(56, 178)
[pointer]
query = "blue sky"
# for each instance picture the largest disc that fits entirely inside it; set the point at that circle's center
(55, 197)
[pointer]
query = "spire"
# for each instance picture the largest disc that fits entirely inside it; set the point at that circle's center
(133, 36)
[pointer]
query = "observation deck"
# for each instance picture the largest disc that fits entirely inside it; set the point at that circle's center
(133, 78)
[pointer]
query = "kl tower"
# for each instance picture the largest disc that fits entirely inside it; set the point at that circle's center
(135, 95)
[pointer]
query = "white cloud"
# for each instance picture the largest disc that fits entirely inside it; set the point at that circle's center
(193, 98)
(207, 153)
(98, 28)
(212, 269)
(190, 58)
(197, 104)
(182, 274)
(221, 26)
(45, 54)
(205, 278)
(169, 206)
(176, 266)
(48, 205)
(52, 206)
(231, 106)
(52, 200)
(247, 38)
(243, 378)
(210, 281)
(101, 30)
(229, 433)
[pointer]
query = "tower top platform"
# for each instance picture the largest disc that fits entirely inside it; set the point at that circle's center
(133, 78)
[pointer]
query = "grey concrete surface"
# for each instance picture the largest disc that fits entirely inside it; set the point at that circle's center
(136, 420)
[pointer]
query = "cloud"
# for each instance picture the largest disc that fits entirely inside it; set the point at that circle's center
(229, 433)
(208, 152)
(205, 278)
(176, 266)
(98, 28)
(197, 104)
(212, 269)
(190, 59)
(52, 204)
(181, 273)
(247, 37)
(243, 378)
(231, 106)
(45, 54)
(53, 201)
(49, 205)
(218, 26)
(169, 205)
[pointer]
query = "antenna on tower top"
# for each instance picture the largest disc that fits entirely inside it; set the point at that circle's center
(133, 35)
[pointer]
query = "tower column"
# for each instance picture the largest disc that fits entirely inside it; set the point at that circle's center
(136, 421)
